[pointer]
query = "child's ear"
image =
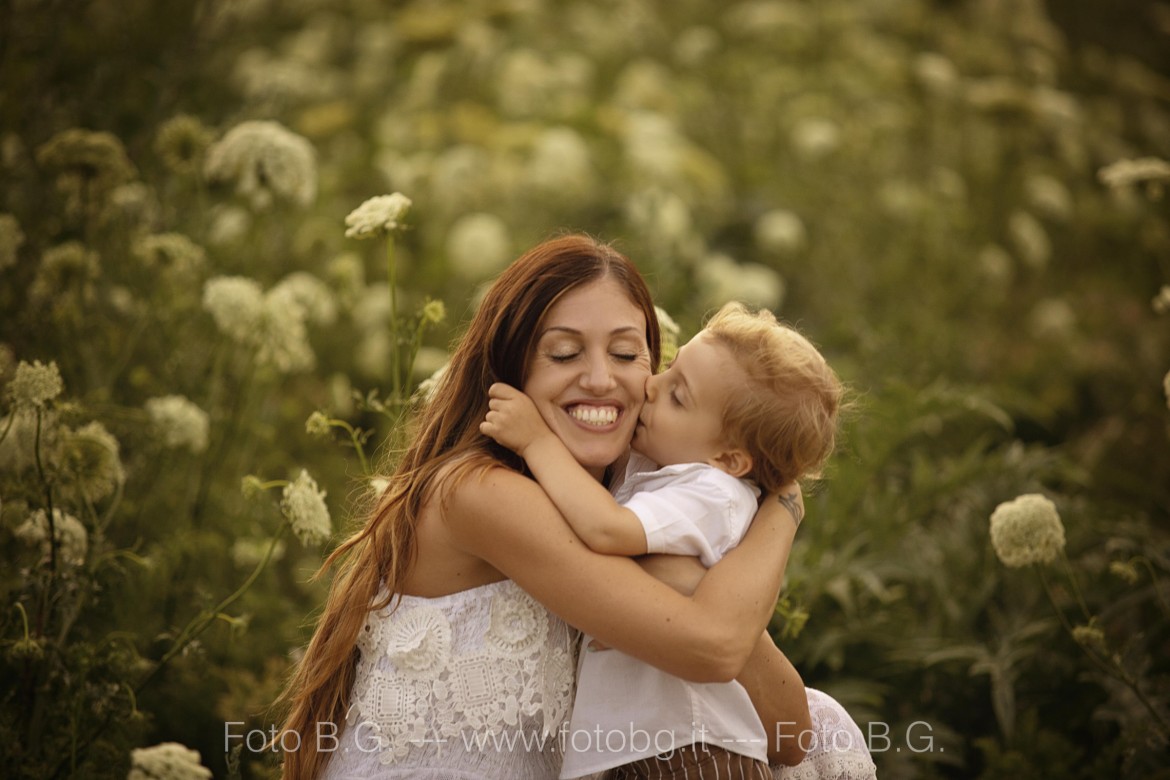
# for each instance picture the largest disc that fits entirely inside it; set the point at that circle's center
(735, 461)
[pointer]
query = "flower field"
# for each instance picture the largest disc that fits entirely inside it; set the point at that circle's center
(238, 237)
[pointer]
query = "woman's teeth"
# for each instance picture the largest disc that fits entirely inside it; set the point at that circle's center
(594, 415)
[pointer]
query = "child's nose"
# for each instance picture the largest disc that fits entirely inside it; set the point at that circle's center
(651, 388)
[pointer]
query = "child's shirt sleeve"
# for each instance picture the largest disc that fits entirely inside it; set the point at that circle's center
(693, 509)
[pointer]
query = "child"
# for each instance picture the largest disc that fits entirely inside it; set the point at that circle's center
(747, 405)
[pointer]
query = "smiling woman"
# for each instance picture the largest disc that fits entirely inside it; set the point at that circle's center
(445, 647)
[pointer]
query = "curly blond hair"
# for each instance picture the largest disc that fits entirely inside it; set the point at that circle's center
(787, 419)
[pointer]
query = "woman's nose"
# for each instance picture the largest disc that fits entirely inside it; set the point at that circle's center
(598, 376)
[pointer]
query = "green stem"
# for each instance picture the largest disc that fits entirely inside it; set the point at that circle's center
(395, 369)
(1153, 581)
(8, 427)
(1075, 587)
(1114, 669)
(46, 595)
(357, 444)
(204, 620)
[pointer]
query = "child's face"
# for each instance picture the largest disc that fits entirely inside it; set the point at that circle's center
(682, 419)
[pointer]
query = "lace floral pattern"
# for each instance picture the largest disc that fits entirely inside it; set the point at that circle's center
(837, 750)
(485, 668)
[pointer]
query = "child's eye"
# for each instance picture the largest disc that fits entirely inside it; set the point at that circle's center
(674, 398)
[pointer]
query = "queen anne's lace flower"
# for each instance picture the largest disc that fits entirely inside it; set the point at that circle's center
(1161, 302)
(1027, 530)
(89, 463)
(265, 159)
(175, 255)
(181, 142)
(179, 422)
(35, 384)
(281, 338)
(11, 239)
(66, 276)
(478, 246)
(168, 761)
(669, 332)
(780, 231)
(1126, 172)
(87, 159)
(377, 216)
(304, 507)
(236, 304)
(318, 424)
(311, 294)
(1030, 239)
(72, 538)
(722, 279)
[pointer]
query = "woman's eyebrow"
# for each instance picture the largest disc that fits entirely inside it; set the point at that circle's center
(566, 329)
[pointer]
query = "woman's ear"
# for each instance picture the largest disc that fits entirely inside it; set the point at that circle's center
(735, 461)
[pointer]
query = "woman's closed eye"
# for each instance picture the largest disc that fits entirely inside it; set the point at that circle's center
(562, 357)
(625, 357)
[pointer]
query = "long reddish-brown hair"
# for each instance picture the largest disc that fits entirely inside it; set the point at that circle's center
(496, 347)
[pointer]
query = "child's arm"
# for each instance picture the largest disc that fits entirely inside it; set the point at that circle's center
(592, 513)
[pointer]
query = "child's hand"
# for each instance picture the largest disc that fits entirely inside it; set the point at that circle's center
(512, 419)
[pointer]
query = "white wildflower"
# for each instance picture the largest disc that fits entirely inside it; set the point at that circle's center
(1048, 196)
(89, 463)
(669, 331)
(304, 507)
(1161, 302)
(281, 337)
(1029, 239)
(318, 424)
(236, 304)
(694, 45)
(11, 239)
(265, 159)
(429, 360)
(1052, 318)
(427, 388)
(173, 254)
(721, 279)
(179, 422)
(378, 486)
(377, 216)
(347, 274)
(1027, 530)
(66, 275)
(1126, 172)
(311, 294)
(167, 761)
(478, 246)
(72, 538)
(935, 73)
(561, 163)
(229, 225)
(181, 142)
(995, 264)
(780, 231)
(35, 384)
(814, 138)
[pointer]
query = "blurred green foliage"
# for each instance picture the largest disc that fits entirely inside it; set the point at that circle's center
(915, 184)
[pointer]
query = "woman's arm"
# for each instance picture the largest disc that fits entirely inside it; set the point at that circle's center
(508, 521)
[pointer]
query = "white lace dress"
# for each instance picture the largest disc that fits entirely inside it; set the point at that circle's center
(477, 684)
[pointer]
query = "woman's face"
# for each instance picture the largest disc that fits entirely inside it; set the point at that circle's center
(588, 373)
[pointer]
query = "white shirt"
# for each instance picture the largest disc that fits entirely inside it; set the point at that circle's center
(626, 710)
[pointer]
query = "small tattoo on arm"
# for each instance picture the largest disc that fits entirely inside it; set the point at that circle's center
(791, 502)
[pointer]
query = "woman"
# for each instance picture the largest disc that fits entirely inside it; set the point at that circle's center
(457, 672)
